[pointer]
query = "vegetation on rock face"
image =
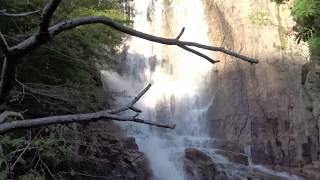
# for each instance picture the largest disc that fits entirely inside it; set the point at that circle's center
(307, 15)
(280, 1)
(59, 77)
(260, 18)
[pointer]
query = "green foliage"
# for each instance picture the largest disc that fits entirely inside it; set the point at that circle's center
(60, 77)
(260, 18)
(307, 15)
(31, 177)
(72, 58)
(306, 12)
(314, 45)
(4, 173)
(45, 145)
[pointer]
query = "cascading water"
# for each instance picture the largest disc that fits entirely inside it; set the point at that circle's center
(179, 93)
(178, 82)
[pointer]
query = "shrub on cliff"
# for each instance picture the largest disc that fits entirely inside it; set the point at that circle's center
(306, 13)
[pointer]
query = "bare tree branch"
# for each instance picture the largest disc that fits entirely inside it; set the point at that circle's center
(199, 54)
(80, 118)
(5, 13)
(192, 50)
(7, 77)
(132, 103)
(85, 117)
(180, 34)
(3, 44)
(6, 114)
(31, 43)
(47, 15)
(45, 33)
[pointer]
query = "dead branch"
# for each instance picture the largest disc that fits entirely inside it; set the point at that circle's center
(132, 103)
(47, 15)
(45, 33)
(6, 114)
(32, 42)
(3, 44)
(80, 118)
(4, 12)
(44, 164)
(181, 33)
(192, 50)
(85, 117)
(199, 54)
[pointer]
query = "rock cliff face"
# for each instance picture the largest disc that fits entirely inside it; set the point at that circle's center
(105, 152)
(272, 107)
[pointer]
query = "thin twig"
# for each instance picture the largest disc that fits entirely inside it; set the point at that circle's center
(20, 155)
(199, 54)
(23, 90)
(5, 13)
(3, 44)
(132, 103)
(47, 168)
(6, 114)
(180, 34)
(26, 148)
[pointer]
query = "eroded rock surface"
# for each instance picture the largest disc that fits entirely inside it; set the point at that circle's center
(274, 106)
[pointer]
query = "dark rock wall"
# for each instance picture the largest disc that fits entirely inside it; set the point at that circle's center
(105, 152)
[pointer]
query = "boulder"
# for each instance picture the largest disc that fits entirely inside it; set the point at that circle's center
(199, 166)
(235, 157)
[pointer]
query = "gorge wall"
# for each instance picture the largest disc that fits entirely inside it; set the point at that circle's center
(272, 107)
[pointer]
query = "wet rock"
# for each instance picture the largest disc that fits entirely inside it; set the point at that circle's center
(199, 166)
(239, 158)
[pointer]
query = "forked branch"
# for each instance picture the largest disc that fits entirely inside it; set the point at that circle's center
(130, 106)
(45, 33)
(80, 118)
(32, 42)
(47, 14)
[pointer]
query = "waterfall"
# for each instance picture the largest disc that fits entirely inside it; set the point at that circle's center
(180, 92)
(179, 79)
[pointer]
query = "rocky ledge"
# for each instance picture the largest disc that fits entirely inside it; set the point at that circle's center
(224, 165)
(105, 153)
